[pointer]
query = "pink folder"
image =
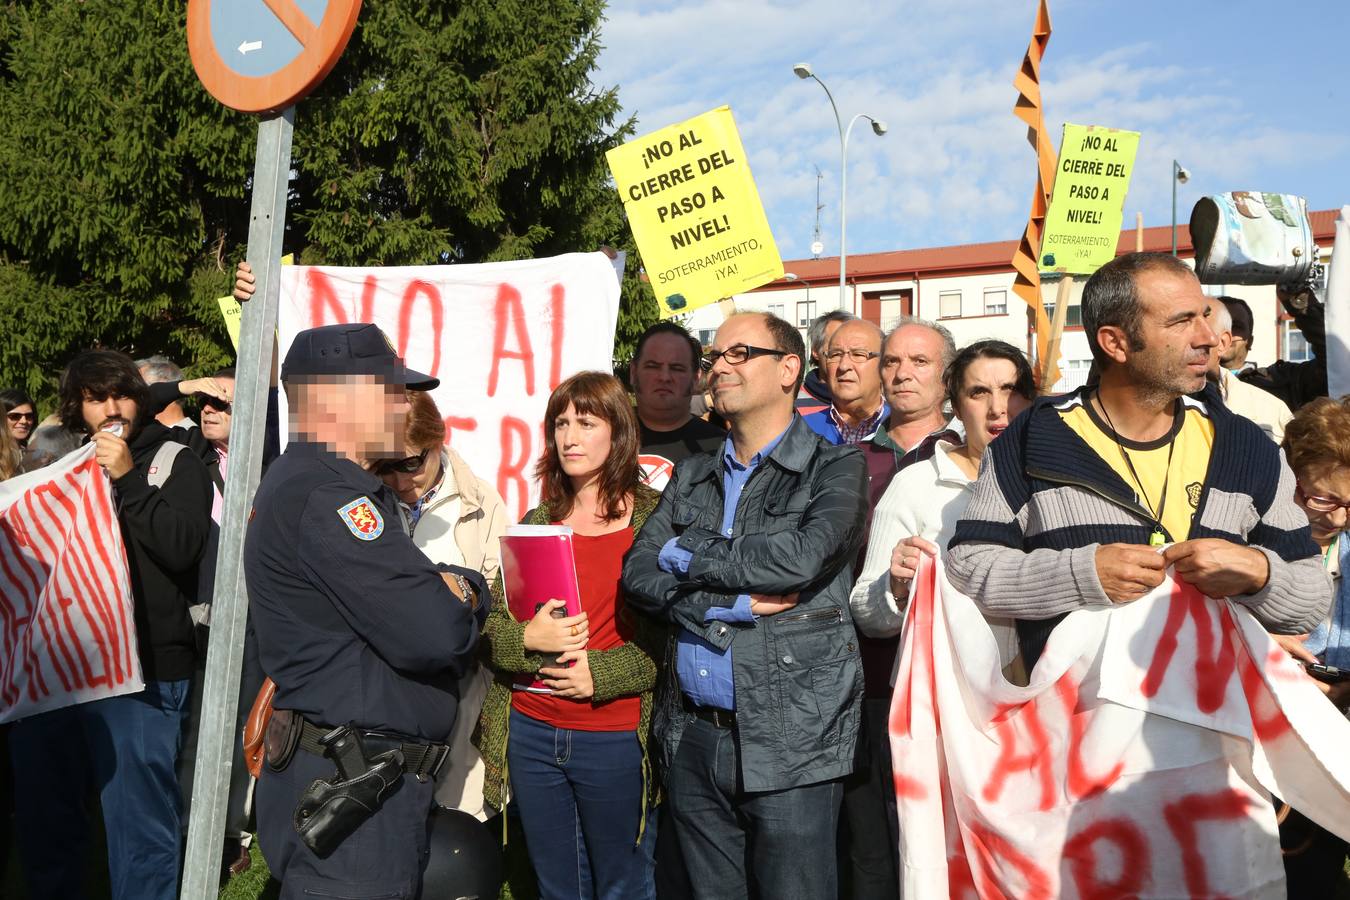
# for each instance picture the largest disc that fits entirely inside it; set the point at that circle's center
(538, 566)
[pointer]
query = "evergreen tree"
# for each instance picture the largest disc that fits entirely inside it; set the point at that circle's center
(449, 132)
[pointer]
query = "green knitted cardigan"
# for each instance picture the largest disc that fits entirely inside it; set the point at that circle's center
(621, 672)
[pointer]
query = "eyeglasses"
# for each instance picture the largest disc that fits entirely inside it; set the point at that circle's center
(858, 355)
(737, 354)
(1322, 504)
(207, 401)
(409, 465)
(21, 416)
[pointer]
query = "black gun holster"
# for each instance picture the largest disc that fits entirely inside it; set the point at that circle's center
(330, 810)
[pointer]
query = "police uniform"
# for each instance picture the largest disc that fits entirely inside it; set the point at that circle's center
(356, 627)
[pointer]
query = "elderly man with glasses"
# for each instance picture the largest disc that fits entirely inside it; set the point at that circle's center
(749, 557)
(852, 367)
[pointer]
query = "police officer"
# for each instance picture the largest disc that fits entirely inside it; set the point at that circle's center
(363, 635)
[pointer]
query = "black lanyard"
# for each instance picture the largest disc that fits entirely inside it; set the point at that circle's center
(1157, 538)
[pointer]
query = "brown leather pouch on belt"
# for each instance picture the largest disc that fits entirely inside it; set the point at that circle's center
(255, 729)
(282, 738)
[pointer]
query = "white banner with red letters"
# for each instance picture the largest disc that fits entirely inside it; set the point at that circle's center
(1138, 762)
(67, 629)
(499, 336)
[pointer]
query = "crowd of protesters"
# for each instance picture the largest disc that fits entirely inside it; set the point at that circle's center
(715, 719)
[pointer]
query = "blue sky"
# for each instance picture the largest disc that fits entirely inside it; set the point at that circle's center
(1247, 94)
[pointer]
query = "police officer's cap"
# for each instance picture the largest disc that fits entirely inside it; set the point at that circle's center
(352, 349)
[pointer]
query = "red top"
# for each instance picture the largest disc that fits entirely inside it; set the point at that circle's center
(599, 561)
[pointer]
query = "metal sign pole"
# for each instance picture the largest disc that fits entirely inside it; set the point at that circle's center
(229, 609)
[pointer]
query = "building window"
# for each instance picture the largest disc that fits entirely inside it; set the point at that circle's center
(995, 302)
(949, 305)
(884, 308)
(706, 335)
(776, 309)
(806, 313)
(1293, 345)
(1072, 319)
(1072, 375)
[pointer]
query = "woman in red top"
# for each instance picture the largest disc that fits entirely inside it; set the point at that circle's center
(576, 758)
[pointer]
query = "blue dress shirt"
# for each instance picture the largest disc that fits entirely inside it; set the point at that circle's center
(705, 671)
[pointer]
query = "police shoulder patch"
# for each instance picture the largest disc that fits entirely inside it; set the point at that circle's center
(362, 519)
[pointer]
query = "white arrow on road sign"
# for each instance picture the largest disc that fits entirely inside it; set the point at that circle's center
(249, 46)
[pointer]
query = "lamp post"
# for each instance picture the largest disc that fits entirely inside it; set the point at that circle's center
(1179, 176)
(794, 277)
(803, 70)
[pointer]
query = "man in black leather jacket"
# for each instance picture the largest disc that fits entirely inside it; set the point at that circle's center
(749, 557)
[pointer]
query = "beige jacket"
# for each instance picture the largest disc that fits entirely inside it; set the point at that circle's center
(1250, 401)
(478, 527)
(476, 534)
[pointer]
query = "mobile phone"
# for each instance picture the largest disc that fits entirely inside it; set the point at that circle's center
(1327, 674)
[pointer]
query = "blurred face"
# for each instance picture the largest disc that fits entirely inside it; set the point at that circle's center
(1322, 492)
(583, 441)
(21, 420)
(853, 366)
(759, 382)
(112, 413)
(663, 377)
(360, 416)
(425, 474)
(988, 401)
(911, 373)
(1176, 335)
(216, 414)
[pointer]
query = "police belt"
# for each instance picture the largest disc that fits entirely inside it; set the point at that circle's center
(420, 758)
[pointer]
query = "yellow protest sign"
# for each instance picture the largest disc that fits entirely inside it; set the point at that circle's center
(1091, 180)
(232, 312)
(695, 212)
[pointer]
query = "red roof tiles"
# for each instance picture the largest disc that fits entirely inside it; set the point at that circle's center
(996, 256)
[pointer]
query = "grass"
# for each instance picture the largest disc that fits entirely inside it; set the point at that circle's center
(254, 884)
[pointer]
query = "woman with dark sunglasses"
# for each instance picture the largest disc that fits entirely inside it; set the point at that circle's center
(458, 518)
(20, 415)
(1317, 446)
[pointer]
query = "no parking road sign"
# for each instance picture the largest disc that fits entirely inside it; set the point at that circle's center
(263, 55)
(256, 56)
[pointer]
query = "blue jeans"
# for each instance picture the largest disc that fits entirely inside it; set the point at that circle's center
(771, 844)
(124, 746)
(579, 796)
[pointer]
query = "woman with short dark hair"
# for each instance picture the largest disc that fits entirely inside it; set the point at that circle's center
(988, 384)
(577, 757)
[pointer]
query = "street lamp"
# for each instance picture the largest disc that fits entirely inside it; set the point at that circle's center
(793, 277)
(803, 70)
(1179, 176)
